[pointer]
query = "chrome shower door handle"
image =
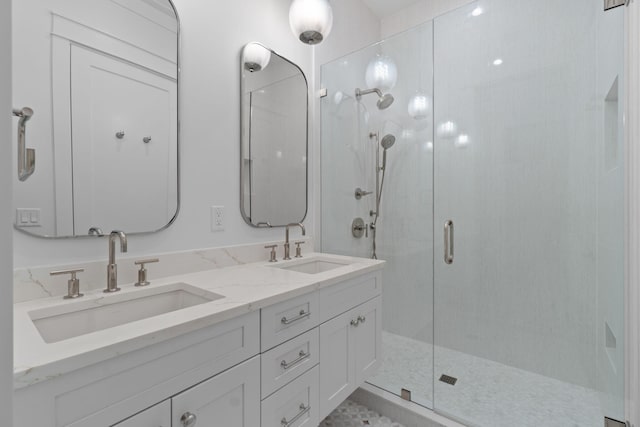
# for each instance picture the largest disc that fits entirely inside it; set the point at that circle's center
(448, 242)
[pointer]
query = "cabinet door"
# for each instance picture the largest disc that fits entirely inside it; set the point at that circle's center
(337, 367)
(230, 399)
(367, 336)
(156, 416)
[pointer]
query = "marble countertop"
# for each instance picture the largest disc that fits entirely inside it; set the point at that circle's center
(245, 288)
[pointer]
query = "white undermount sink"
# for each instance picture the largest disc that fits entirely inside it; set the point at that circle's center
(313, 266)
(82, 317)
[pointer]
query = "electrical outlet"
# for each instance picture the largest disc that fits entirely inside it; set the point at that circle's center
(217, 218)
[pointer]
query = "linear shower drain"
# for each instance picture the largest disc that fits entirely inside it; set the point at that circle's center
(449, 380)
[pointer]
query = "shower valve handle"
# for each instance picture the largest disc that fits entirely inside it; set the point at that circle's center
(360, 193)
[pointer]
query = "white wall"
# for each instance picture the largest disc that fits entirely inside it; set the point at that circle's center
(212, 37)
(417, 13)
(6, 168)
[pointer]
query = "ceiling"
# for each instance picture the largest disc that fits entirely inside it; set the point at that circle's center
(384, 8)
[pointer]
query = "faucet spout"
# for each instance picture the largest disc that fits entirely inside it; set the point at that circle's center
(287, 246)
(112, 268)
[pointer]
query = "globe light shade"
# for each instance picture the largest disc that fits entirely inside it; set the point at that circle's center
(255, 57)
(382, 73)
(311, 20)
(419, 106)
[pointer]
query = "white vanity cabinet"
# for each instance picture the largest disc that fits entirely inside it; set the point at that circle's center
(230, 399)
(156, 416)
(288, 364)
(350, 343)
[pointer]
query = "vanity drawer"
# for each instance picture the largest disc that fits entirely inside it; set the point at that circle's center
(288, 319)
(296, 404)
(289, 360)
(340, 298)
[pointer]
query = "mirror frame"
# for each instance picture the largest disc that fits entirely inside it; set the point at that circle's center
(178, 168)
(246, 217)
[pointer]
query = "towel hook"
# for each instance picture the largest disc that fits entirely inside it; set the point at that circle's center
(26, 156)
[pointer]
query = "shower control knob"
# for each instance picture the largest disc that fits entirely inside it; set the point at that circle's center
(360, 193)
(358, 228)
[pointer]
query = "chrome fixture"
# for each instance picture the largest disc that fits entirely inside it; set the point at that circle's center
(360, 193)
(359, 228)
(142, 273)
(310, 20)
(299, 249)
(302, 315)
(272, 254)
(302, 356)
(386, 143)
(384, 101)
(120, 134)
(73, 284)
(303, 410)
(448, 242)
(112, 268)
(95, 231)
(26, 156)
(287, 247)
(188, 419)
(146, 139)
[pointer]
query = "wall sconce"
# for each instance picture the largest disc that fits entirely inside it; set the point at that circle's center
(255, 57)
(311, 20)
(382, 73)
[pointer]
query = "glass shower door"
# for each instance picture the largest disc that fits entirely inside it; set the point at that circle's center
(352, 131)
(528, 195)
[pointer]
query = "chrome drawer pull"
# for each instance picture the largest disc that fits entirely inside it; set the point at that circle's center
(303, 410)
(302, 315)
(355, 322)
(301, 356)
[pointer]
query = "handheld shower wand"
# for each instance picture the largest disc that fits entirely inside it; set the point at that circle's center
(386, 143)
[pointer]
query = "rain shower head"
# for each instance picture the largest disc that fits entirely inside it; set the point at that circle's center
(388, 141)
(384, 102)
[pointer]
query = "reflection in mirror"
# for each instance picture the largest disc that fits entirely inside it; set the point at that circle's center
(274, 139)
(102, 79)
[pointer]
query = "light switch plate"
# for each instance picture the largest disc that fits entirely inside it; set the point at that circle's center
(28, 217)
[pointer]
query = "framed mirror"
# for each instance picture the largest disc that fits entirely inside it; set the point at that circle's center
(273, 169)
(101, 77)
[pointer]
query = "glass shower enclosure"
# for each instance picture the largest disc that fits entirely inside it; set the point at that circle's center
(500, 214)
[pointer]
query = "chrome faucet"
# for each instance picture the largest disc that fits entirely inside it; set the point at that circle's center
(112, 268)
(287, 246)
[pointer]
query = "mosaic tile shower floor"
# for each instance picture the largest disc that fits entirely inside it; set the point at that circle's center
(489, 393)
(351, 414)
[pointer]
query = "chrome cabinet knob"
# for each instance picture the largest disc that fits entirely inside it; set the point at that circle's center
(188, 419)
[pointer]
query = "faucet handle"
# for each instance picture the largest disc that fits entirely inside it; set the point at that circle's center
(272, 254)
(142, 273)
(73, 284)
(299, 249)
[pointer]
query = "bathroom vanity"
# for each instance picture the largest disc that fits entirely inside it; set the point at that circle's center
(262, 344)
